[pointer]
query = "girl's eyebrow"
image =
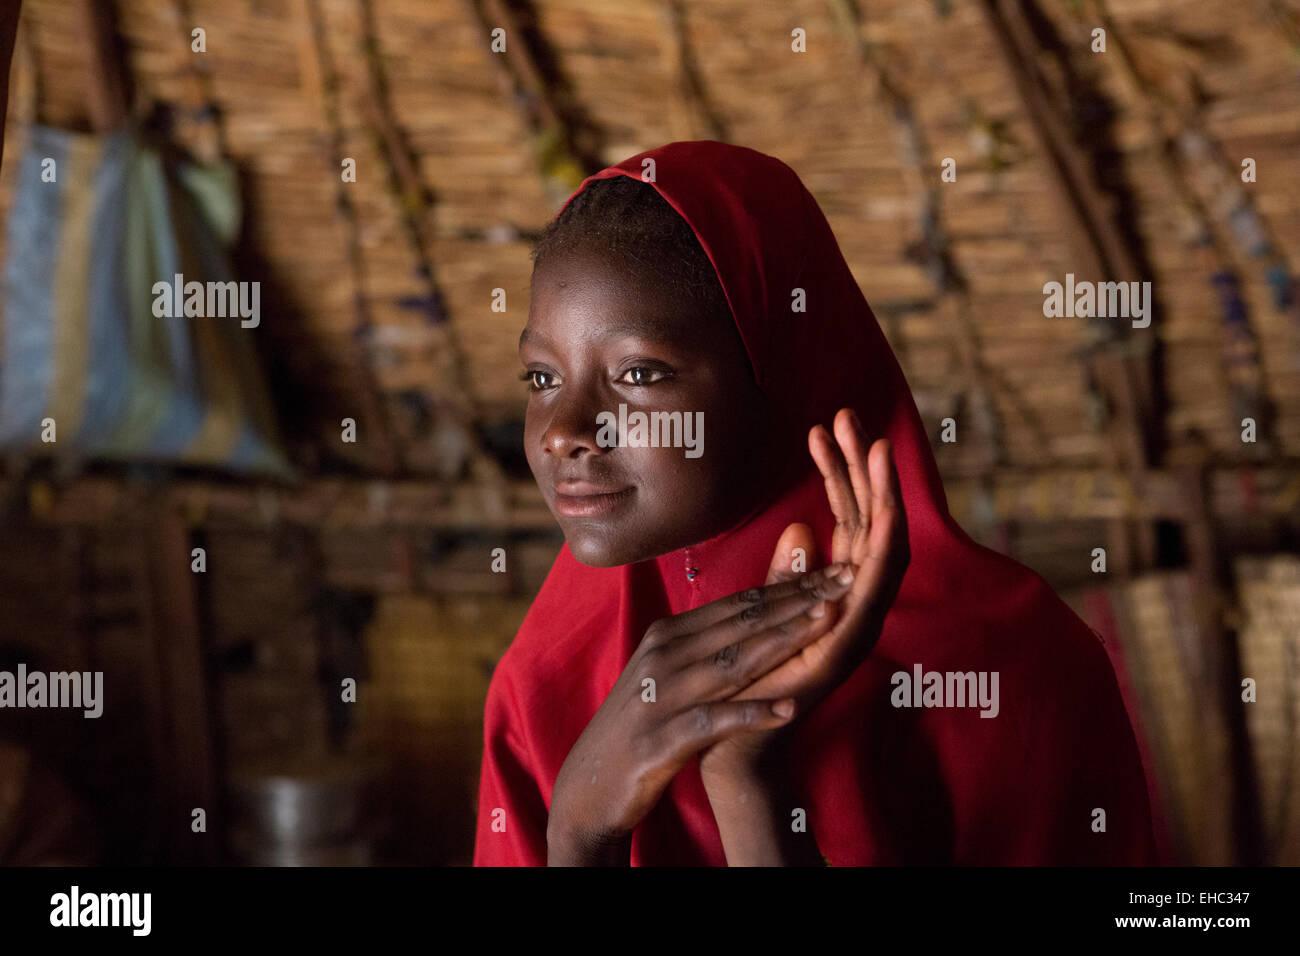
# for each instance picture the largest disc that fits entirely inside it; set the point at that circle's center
(651, 331)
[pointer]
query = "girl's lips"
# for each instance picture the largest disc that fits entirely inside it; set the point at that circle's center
(584, 506)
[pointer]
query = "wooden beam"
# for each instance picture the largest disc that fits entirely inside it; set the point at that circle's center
(109, 81)
(1211, 584)
(8, 37)
(549, 105)
(187, 729)
(1101, 252)
(1006, 494)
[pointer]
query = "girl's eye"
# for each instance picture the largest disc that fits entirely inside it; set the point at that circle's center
(531, 376)
(641, 375)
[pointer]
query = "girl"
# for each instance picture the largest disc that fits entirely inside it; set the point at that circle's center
(689, 686)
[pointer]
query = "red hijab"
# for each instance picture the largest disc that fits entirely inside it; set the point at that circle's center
(881, 784)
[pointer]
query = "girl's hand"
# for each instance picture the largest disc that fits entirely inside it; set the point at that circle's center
(671, 702)
(871, 536)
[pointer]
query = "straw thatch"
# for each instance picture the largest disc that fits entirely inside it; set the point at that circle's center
(297, 89)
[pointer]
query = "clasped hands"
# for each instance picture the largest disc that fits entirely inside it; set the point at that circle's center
(730, 676)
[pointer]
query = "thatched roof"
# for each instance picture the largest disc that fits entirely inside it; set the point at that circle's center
(463, 154)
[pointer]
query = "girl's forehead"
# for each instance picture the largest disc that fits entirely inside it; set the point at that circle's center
(595, 298)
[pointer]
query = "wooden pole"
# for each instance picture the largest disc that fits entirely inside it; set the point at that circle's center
(188, 775)
(1210, 585)
(109, 81)
(1101, 251)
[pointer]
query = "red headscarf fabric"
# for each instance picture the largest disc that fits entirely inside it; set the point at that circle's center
(881, 784)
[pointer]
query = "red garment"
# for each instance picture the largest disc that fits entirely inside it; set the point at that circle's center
(882, 784)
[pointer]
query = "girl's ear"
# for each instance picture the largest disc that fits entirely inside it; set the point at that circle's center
(796, 553)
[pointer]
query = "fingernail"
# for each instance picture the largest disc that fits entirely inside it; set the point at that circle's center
(846, 576)
(783, 708)
(818, 609)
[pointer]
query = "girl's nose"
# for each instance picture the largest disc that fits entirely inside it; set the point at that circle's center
(572, 428)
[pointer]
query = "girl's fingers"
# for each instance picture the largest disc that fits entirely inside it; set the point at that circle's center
(885, 491)
(690, 622)
(839, 490)
(703, 725)
(757, 621)
(736, 666)
(884, 560)
(797, 536)
(881, 556)
(886, 507)
(843, 462)
(853, 445)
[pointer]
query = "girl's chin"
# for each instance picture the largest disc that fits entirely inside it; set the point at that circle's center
(600, 559)
(607, 547)
(595, 551)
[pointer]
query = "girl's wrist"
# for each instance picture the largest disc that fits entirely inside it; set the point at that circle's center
(754, 809)
(740, 772)
(569, 845)
(761, 764)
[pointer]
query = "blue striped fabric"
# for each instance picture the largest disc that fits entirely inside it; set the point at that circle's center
(172, 433)
(185, 390)
(108, 348)
(31, 250)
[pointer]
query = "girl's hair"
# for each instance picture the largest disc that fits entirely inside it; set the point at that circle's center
(629, 220)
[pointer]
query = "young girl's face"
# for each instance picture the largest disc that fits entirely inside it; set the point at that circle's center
(599, 336)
